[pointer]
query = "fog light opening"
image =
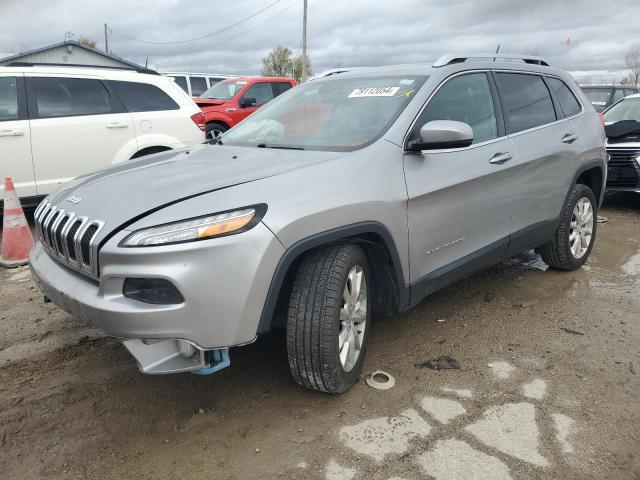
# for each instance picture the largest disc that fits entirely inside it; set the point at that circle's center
(186, 349)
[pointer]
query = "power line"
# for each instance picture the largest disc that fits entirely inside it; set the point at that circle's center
(260, 24)
(200, 37)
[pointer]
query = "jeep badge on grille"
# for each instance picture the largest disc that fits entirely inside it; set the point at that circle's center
(74, 199)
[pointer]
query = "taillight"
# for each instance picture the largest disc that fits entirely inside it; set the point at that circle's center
(602, 119)
(199, 120)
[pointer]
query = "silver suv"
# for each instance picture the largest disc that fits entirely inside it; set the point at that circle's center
(348, 197)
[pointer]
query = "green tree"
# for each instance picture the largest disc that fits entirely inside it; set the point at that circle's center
(278, 62)
(298, 64)
(87, 42)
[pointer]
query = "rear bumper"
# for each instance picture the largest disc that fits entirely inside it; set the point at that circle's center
(224, 283)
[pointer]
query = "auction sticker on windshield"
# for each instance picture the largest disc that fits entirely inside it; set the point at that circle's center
(374, 92)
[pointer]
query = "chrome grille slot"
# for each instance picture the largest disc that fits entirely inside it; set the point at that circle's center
(57, 233)
(71, 235)
(67, 238)
(85, 243)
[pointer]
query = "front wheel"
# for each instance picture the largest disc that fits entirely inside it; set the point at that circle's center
(571, 244)
(329, 317)
(214, 130)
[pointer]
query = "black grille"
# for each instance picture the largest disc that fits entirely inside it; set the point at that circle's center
(49, 233)
(623, 168)
(58, 235)
(86, 242)
(71, 247)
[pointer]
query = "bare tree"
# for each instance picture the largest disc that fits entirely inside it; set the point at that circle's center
(632, 59)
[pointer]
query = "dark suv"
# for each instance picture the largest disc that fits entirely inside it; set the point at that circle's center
(603, 96)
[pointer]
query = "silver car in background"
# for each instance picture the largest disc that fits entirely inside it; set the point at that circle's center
(347, 197)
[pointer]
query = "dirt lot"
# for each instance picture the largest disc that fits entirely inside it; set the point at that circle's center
(548, 388)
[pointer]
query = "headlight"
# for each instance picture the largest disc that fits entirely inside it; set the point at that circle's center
(199, 228)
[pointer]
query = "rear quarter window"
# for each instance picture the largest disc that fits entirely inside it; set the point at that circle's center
(568, 102)
(526, 101)
(280, 87)
(142, 97)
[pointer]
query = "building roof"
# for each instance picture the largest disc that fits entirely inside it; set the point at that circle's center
(18, 56)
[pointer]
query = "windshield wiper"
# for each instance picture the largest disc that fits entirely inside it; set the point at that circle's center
(282, 147)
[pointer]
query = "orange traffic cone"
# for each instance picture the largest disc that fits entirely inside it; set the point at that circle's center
(16, 235)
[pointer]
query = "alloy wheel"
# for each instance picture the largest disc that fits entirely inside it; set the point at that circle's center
(581, 228)
(353, 318)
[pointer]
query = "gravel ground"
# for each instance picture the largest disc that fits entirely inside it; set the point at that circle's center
(548, 387)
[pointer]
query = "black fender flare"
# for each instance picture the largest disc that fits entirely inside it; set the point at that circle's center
(323, 238)
(588, 166)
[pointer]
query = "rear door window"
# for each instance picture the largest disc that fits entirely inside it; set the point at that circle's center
(280, 87)
(142, 97)
(526, 101)
(63, 97)
(8, 98)
(182, 83)
(568, 102)
(466, 98)
(262, 93)
(198, 86)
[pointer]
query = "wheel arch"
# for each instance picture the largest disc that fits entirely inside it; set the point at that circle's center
(381, 252)
(220, 122)
(592, 175)
(150, 150)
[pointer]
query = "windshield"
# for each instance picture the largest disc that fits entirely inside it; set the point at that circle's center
(341, 114)
(598, 96)
(224, 90)
(627, 109)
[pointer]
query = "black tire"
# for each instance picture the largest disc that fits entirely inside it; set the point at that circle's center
(557, 253)
(313, 321)
(214, 127)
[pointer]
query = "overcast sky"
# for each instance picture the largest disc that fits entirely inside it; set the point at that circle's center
(579, 35)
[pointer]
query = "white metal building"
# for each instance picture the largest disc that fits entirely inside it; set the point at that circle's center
(73, 53)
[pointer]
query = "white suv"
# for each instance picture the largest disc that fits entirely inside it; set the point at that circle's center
(57, 123)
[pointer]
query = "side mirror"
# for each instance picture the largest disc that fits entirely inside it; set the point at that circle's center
(442, 134)
(247, 102)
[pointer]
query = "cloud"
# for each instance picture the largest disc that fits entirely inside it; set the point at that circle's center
(353, 33)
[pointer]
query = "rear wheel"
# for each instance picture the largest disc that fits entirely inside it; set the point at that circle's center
(214, 130)
(571, 244)
(328, 318)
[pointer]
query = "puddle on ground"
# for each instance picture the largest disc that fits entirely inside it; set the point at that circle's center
(632, 266)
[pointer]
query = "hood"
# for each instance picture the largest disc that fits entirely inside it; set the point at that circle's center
(128, 191)
(623, 131)
(209, 102)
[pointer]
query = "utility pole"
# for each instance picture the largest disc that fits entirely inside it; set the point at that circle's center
(106, 40)
(304, 43)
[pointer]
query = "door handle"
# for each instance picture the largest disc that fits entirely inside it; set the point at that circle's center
(11, 133)
(500, 158)
(570, 138)
(117, 125)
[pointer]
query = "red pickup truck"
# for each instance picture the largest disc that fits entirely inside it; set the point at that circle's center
(232, 100)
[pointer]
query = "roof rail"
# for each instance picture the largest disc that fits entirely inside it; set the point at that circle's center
(77, 65)
(451, 59)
